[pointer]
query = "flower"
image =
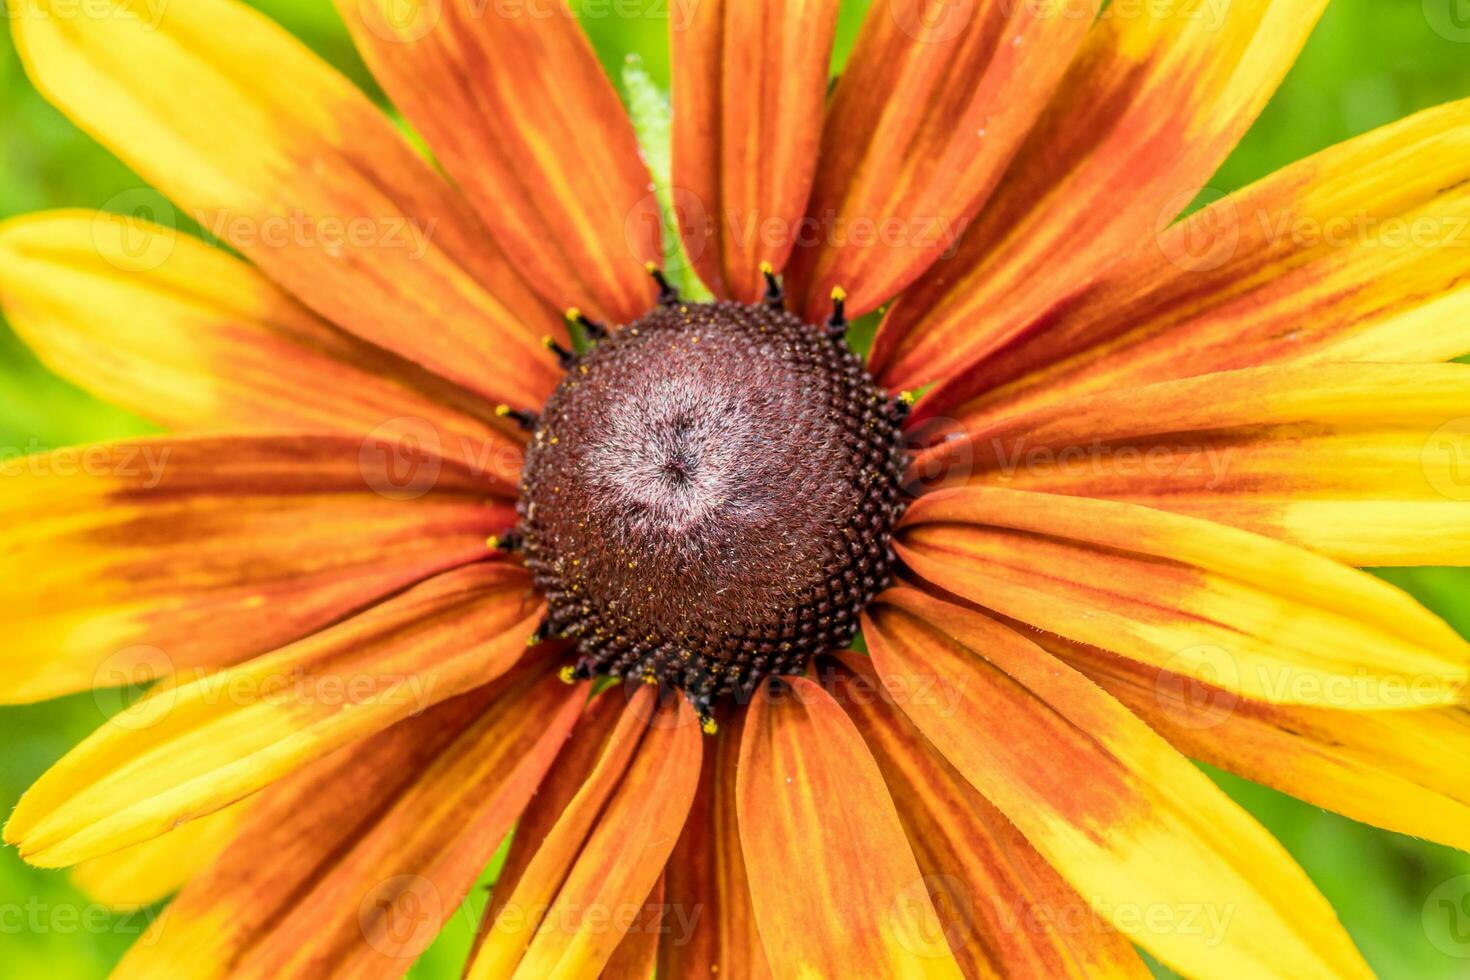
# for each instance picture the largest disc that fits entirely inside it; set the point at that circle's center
(1150, 458)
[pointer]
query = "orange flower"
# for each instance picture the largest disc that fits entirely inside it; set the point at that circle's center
(1121, 526)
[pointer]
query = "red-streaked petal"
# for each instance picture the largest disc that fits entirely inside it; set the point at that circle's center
(933, 106)
(216, 740)
(1402, 770)
(750, 85)
(398, 827)
(835, 888)
(709, 924)
(301, 173)
(352, 867)
(1157, 98)
(1004, 910)
(569, 773)
(1359, 461)
(1292, 626)
(1360, 253)
(522, 116)
(128, 561)
(199, 341)
(595, 869)
(1142, 834)
(636, 957)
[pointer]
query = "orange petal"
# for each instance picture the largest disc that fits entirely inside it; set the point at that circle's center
(1159, 95)
(933, 106)
(1360, 253)
(595, 869)
(1155, 847)
(569, 773)
(552, 168)
(301, 173)
(749, 87)
(216, 740)
(1402, 770)
(709, 924)
(1359, 461)
(1004, 910)
(1283, 624)
(835, 887)
(128, 561)
(636, 957)
(198, 341)
(351, 867)
(153, 870)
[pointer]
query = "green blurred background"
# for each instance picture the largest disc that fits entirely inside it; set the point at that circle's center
(1369, 63)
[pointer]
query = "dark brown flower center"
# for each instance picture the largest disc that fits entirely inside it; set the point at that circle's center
(709, 498)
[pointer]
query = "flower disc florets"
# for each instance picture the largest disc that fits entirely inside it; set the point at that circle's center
(709, 498)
